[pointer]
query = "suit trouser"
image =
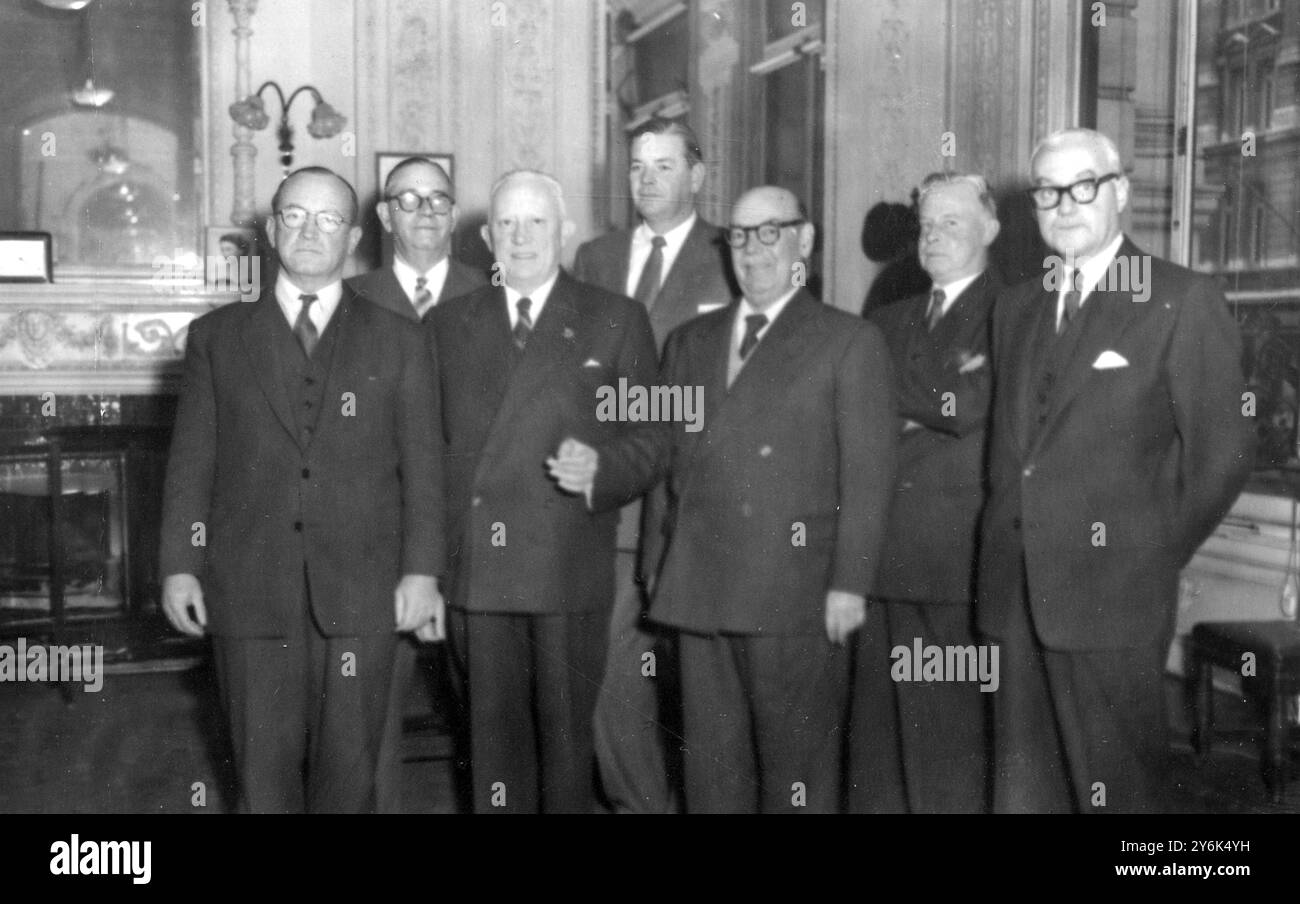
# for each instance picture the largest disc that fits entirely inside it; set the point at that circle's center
(915, 746)
(1078, 730)
(388, 779)
(532, 682)
(306, 700)
(628, 731)
(764, 720)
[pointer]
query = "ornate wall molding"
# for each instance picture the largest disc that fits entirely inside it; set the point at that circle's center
(243, 151)
(97, 339)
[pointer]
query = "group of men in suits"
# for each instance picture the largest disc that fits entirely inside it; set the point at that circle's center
(1028, 474)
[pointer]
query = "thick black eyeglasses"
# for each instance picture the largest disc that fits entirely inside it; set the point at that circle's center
(327, 221)
(1046, 197)
(411, 201)
(768, 233)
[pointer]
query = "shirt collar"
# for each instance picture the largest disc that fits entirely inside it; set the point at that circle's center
(407, 275)
(772, 311)
(538, 298)
(952, 291)
(1094, 269)
(673, 239)
(327, 299)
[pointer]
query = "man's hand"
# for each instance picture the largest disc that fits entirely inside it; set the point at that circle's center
(183, 604)
(419, 606)
(845, 613)
(573, 467)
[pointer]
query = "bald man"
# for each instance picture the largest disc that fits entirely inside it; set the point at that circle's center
(775, 519)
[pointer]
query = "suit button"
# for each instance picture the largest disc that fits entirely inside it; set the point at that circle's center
(306, 472)
(1042, 398)
(476, 501)
(1015, 523)
(905, 485)
(306, 403)
(1027, 471)
(746, 510)
(765, 451)
(310, 381)
(297, 525)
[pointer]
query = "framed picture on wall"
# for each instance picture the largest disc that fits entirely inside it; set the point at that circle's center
(232, 259)
(26, 257)
(386, 160)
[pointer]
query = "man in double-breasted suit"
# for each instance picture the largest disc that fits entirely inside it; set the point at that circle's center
(531, 568)
(1118, 442)
(418, 209)
(919, 746)
(303, 515)
(674, 264)
(776, 511)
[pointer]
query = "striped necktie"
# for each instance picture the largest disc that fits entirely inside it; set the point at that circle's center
(423, 297)
(524, 325)
(303, 327)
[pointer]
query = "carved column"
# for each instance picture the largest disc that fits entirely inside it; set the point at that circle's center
(243, 150)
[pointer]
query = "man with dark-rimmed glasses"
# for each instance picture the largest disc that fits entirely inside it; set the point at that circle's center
(1118, 442)
(303, 510)
(775, 516)
(418, 209)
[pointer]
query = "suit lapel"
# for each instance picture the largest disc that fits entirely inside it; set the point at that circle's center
(676, 300)
(1030, 341)
(340, 368)
(258, 337)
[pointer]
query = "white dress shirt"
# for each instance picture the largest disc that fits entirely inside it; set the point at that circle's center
(643, 244)
(434, 279)
(327, 299)
(538, 297)
(743, 310)
(1093, 270)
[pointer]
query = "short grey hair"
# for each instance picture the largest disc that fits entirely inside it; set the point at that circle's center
(551, 184)
(1109, 150)
(974, 180)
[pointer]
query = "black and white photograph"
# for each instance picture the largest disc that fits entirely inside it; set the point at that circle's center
(859, 407)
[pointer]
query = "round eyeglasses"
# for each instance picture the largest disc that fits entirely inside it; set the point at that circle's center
(1047, 197)
(411, 201)
(768, 233)
(327, 221)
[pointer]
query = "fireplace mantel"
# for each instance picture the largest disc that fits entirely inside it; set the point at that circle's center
(95, 338)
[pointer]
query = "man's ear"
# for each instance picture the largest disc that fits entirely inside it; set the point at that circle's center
(354, 238)
(487, 237)
(270, 230)
(698, 172)
(1121, 192)
(385, 215)
(807, 236)
(991, 229)
(567, 229)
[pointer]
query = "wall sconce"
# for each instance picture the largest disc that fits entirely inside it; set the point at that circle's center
(326, 122)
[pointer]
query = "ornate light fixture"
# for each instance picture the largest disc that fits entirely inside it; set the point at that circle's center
(326, 122)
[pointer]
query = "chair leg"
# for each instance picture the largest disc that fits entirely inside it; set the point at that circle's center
(1201, 679)
(1275, 738)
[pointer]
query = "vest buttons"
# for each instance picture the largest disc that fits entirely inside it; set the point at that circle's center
(1027, 471)
(297, 525)
(306, 472)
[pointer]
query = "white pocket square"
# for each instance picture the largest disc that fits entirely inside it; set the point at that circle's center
(1109, 360)
(972, 364)
(591, 362)
(705, 308)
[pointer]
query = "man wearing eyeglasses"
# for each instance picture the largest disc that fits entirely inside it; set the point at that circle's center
(303, 512)
(775, 518)
(418, 209)
(1118, 443)
(674, 264)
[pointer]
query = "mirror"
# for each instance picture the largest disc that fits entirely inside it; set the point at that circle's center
(100, 132)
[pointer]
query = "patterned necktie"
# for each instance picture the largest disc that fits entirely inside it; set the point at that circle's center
(753, 324)
(423, 297)
(647, 287)
(304, 329)
(935, 311)
(524, 325)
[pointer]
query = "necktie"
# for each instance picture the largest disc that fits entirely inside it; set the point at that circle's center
(303, 328)
(1073, 301)
(524, 325)
(935, 311)
(753, 323)
(647, 287)
(423, 297)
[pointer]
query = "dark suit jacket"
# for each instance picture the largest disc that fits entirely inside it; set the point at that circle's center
(1156, 451)
(382, 288)
(802, 443)
(698, 276)
(517, 542)
(360, 504)
(929, 552)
